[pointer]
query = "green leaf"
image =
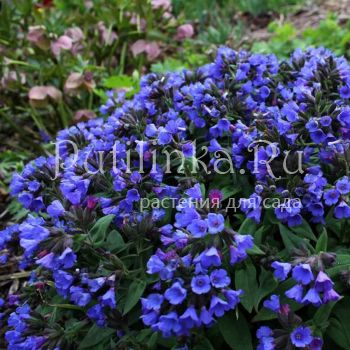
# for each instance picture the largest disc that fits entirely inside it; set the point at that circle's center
(337, 334)
(248, 227)
(229, 191)
(267, 284)
(255, 251)
(322, 314)
(203, 344)
(135, 292)
(339, 329)
(322, 242)
(291, 241)
(118, 82)
(304, 230)
(95, 336)
(98, 232)
(235, 331)
(114, 241)
(342, 263)
(245, 279)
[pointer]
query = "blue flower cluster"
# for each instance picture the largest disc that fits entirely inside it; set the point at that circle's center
(300, 337)
(313, 287)
(194, 284)
(17, 338)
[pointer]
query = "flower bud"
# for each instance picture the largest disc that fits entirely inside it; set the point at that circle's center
(64, 42)
(39, 96)
(37, 36)
(184, 32)
(78, 81)
(83, 115)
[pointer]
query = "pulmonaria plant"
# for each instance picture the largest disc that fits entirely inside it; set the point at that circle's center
(162, 220)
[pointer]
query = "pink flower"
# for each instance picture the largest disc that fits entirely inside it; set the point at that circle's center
(140, 23)
(91, 202)
(215, 196)
(77, 81)
(84, 115)
(39, 96)
(37, 36)
(12, 79)
(107, 36)
(184, 32)
(75, 33)
(77, 36)
(64, 42)
(164, 4)
(142, 46)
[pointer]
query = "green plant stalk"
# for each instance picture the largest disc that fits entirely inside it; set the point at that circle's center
(122, 58)
(63, 114)
(20, 131)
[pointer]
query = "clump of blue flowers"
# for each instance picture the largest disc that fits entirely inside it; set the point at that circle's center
(211, 209)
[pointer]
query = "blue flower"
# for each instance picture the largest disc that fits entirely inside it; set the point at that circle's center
(273, 303)
(169, 323)
(206, 317)
(281, 270)
(108, 299)
(55, 209)
(344, 91)
(342, 211)
(175, 294)
(48, 261)
(264, 332)
(301, 337)
(210, 258)
(96, 313)
(189, 318)
(296, 293)
(232, 297)
(316, 344)
(198, 228)
(153, 301)
(96, 284)
(312, 297)
(244, 242)
(79, 296)
(331, 197)
(219, 278)
(74, 189)
(303, 274)
(323, 283)
(218, 306)
(343, 185)
(216, 223)
(344, 117)
(132, 196)
(200, 284)
(194, 192)
(330, 295)
(63, 281)
(264, 92)
(67, 259)
(188, 150)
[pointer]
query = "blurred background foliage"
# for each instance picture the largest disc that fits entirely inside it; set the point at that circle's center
(59, 57)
